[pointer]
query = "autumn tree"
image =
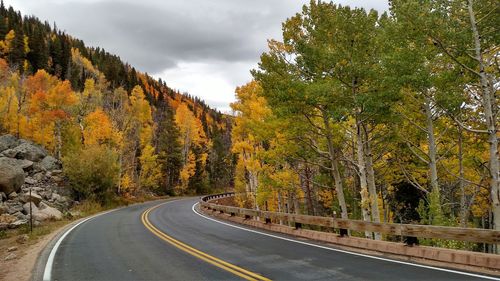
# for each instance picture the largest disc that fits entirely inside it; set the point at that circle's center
(191, 135)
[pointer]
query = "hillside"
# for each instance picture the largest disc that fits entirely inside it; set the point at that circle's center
(86, 105)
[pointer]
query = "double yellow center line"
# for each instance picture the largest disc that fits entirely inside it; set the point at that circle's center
(236, 270)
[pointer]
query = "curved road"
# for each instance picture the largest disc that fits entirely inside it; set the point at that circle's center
(172, 242)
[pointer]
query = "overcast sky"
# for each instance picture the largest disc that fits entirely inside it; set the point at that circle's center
(204, 47)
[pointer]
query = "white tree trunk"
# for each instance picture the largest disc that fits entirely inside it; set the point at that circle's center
(365, 196)
(432, 154)
(370, 177)
(490, 113)
(339, 188)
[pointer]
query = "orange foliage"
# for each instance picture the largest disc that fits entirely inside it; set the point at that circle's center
(99, 129)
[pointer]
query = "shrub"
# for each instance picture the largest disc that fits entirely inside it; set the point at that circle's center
(92, 172)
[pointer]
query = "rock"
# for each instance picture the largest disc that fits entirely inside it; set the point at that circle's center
(26, 208)
(47, 213)
(13, 195)
(10, 256)
(39, 176)
(50, 163)
(14, 206)
(3, 226)
(55, 197)
(53, 213)
(43, 205)
(7, 142)
(63, 200)
(12, 249)
(24, 164)
(11, 178)
(40, 216)
(56, 179)
(22, 239)
(3, 196)
(75, 214)
(30, 151)
(4, 209)
(19, 215)
(18, 223)
(36, 168)
(29, 180)
(57, 172)
(47, 195)
(35, 198)
(10, 153)
(8, 219)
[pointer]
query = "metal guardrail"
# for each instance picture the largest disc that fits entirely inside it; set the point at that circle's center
(488, 236)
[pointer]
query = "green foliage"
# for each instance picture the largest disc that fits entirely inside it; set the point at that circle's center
(92, 172)
(169, 147)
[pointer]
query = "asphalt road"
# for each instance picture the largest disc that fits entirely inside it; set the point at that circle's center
(118, 246)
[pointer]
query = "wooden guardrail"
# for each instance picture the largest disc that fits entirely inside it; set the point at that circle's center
(488, 236)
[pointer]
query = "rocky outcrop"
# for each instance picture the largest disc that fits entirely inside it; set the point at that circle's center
(25, 167)
(26, 150)
(8, 142)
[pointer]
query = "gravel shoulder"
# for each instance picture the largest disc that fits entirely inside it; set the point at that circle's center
(21, 267)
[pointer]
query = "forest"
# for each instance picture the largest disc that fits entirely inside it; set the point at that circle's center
(390, 117)
(118, 131)
(383, 117)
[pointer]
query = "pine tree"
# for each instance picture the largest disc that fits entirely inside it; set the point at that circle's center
(17, 52)
(170, 150)
(39, 54)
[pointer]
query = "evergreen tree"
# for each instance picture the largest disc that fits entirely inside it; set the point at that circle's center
(39, 53)
(17, 52)
(169, 149)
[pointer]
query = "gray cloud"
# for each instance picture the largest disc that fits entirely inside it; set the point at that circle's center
(159, 35)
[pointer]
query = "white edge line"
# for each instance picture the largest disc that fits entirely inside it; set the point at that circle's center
(347, 252)
(47, 273)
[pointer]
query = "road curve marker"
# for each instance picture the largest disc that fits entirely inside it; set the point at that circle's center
(236, 270)
(347, 252)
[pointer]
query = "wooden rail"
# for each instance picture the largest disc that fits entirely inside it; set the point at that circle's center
(488, 236)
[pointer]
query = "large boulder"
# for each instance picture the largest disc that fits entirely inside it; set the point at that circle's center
(24, 164)
(30, 151)
(7, 142)
(11, 178)
(46, 214)
(50, 163)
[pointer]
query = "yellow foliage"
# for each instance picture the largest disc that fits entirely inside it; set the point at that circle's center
(126, 183)
(150, 168)
(6, 44)
(98, 129)
(187, 172)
